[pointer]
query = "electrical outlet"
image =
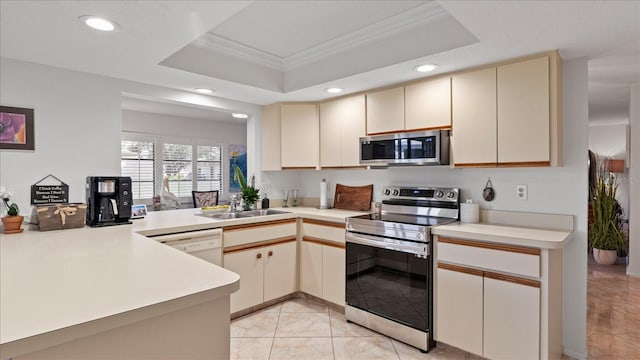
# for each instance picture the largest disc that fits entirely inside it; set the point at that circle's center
(521, 192)
(266, 188)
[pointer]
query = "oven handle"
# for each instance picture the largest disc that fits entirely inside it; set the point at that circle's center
(420, 250)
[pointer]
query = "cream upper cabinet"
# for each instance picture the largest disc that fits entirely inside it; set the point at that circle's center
(299, 136)
(474, 128)
(428, 104)
(271, 137)
(342, 123)
(385, 111)
(523, 112)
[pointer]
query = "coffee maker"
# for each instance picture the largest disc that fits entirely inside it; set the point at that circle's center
(109, 200)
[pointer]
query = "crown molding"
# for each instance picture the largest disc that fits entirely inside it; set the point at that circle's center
(420, 15)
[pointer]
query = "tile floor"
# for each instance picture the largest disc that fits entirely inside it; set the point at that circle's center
(303, 329)
(613, 313)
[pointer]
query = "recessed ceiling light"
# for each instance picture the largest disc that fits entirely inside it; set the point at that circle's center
(239, 115)
(334, 90)
(99, 23)
(204, 91)
(425, 67)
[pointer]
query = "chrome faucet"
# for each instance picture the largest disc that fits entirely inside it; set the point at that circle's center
(234, 203)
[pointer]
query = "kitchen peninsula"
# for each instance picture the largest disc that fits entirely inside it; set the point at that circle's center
(115, 291)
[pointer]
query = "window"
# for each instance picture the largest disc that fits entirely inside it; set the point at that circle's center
(137, 161)
(147, 160)
(177, 165)
(209, 168)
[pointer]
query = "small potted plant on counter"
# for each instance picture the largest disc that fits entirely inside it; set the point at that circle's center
(12, 222)
(606, 233)
(250, 194)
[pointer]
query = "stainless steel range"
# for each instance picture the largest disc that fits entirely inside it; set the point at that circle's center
(389, 285)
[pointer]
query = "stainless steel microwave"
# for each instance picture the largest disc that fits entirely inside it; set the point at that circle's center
(413, 148)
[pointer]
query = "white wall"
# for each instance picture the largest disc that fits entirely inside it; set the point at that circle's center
(560, 190)
(634, 177)
(201, 131)
(77, 128)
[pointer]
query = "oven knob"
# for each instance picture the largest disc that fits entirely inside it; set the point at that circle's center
(387, 192)
(396, 192)
(439, 194)
(451, 194)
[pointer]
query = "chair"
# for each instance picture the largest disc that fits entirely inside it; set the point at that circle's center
(204, 198)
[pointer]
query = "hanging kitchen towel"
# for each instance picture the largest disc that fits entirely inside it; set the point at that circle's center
(356, 198)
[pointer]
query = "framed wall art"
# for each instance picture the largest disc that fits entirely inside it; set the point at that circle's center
(16, 128)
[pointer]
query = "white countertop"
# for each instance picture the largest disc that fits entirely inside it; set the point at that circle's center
(54, 280)
(513, 235)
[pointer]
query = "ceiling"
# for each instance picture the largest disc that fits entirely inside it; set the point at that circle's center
(260, 52)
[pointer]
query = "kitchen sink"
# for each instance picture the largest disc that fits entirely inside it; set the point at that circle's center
(244, 214)
(261, 212)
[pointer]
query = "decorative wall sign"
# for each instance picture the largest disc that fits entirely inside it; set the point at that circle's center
(16, 128)
(49, 194)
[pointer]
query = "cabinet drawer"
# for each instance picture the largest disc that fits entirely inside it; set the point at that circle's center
(246, 234)
(323, 230)
(503, 258)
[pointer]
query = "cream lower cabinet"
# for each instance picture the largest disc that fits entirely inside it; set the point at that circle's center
(489, 300)
(265, 257)
(322, 260)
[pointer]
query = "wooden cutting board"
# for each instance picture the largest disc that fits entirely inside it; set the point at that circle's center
(356, 198)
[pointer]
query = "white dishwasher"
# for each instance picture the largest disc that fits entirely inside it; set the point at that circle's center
(204, 244)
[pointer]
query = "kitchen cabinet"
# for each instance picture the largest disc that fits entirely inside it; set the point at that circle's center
(342, 123)
(474, 136)
(270, 137)
(385, 111)
(490, 304)
(460, 306)
(523, 112)
(428, 104)
(265, 257)
(322, 260)
(299, 136)
(509, 114)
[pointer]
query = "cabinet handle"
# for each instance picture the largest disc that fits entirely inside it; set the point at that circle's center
(259, 255)
(270, 253)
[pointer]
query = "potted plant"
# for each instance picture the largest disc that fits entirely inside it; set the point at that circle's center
(250, 194)
(12, 222)
(606, 233)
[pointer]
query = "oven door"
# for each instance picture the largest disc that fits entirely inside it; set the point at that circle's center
(391, 281)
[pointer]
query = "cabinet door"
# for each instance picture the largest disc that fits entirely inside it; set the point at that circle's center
(342, 123)
(333, 274)
(459, 309)
(523, 112)
(473, 100)
(249, 265)
(511, 320)
(428, 104)
(311, 268)
(385, 111)
(300, 135)
(271, 137)
(279, 270)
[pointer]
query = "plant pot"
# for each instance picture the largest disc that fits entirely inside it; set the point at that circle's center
(12, 224)
(605, 257)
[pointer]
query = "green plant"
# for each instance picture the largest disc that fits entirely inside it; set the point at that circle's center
(12, 209)
(250, 194)
(606, 231)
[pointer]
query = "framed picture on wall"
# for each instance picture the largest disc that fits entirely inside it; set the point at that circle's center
(16, 128)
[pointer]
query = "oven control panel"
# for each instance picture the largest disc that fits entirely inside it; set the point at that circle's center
(421, 193)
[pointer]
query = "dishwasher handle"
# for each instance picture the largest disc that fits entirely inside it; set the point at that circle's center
(189, 235)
